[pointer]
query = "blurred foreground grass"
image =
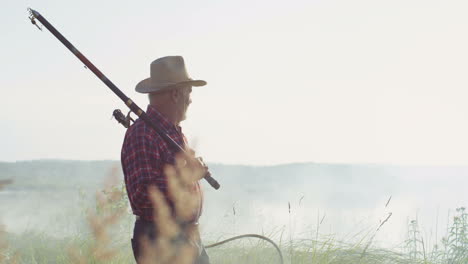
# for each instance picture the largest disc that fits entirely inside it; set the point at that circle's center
(107, 240)
(41, 248)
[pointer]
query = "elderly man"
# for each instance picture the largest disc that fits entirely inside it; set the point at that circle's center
(145, 154)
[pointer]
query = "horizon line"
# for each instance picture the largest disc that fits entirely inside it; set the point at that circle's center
(255, 165)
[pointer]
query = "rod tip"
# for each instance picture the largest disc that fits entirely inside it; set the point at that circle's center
(33, 12)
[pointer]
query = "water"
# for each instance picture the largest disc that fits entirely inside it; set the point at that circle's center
(286, 202)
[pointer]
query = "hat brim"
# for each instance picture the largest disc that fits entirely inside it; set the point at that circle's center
(147, 86)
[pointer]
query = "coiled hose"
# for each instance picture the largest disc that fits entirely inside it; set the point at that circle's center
(249, 235)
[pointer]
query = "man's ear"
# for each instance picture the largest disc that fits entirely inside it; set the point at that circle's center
(175, 94)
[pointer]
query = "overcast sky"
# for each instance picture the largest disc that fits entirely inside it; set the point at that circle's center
(288, 81)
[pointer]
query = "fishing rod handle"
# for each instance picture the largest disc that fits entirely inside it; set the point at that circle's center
(211, 181)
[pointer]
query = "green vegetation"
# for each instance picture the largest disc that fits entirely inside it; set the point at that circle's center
(39, 248)
(105, 228)
(87, 246)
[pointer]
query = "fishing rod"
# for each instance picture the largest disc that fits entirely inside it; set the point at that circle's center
(33, 15)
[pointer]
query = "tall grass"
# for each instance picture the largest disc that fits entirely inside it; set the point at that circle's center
(107, 239)
(452, 249)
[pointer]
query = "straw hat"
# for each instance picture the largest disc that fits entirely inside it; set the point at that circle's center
(166, 73)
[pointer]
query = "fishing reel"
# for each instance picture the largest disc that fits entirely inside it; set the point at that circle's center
(122, 119)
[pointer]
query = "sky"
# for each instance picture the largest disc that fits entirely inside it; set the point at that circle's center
(359, 81)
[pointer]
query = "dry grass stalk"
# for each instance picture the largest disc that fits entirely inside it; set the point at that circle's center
(4, 247)
(100, 223)
(3, 244)
(75, 256)
(4, 183)
(181, 179)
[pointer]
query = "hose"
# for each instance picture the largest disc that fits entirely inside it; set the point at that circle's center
(249, 235)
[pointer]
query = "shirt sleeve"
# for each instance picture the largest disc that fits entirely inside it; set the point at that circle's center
(144, 169)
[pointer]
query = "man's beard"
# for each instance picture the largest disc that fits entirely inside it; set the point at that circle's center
(183, 116)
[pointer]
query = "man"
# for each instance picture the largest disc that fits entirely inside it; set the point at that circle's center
(145, 154)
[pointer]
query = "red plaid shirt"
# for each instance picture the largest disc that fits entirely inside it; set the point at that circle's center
(144, 155)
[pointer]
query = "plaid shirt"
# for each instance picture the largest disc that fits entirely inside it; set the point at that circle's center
(144, 155)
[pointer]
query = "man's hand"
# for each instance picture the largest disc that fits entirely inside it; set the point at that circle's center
(189, 167)
(182, 184)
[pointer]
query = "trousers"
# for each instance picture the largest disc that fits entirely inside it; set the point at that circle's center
(147, 229)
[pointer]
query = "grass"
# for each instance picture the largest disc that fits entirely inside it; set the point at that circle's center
(40, 248)
(107, 240)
